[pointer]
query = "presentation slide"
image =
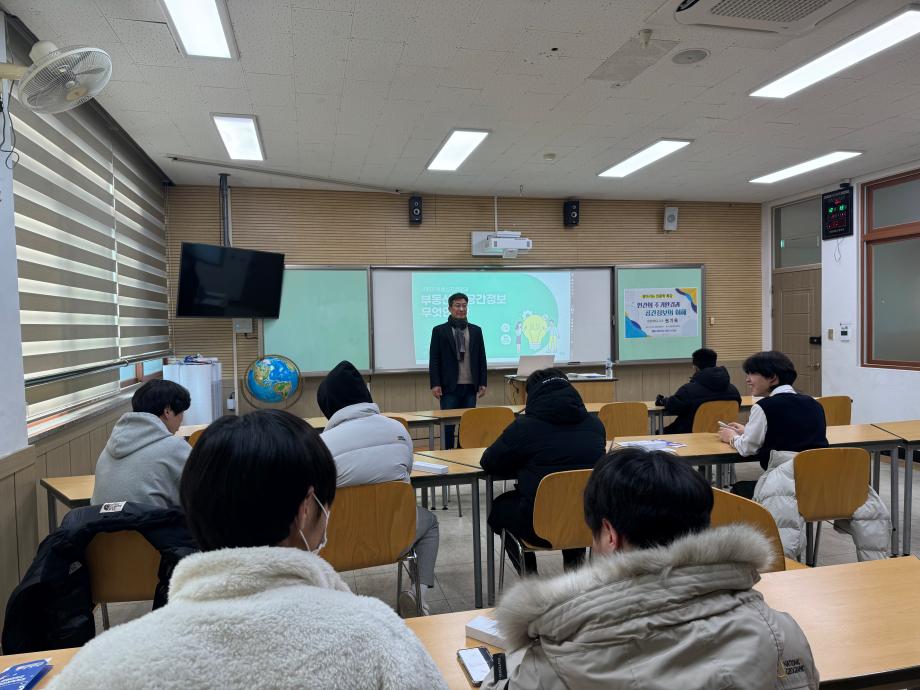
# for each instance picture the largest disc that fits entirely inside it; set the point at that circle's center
(520, 313)
(563, 312)
(659, 313)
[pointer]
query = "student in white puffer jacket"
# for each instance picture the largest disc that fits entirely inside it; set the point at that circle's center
(369, 448)
(258, 607)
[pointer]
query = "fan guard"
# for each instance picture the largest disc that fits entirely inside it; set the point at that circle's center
(61, 79)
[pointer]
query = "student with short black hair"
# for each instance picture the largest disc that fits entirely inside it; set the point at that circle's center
(259, 605)
(666, 601)
(709, 382)
(554, 434)
(143, 458)
(782, 420)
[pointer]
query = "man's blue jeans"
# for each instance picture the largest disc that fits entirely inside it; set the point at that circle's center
(462, 396)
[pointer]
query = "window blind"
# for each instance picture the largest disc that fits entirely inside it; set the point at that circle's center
(90, 244)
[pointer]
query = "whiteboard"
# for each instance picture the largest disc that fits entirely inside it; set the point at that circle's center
(564, 312)
(323, 319)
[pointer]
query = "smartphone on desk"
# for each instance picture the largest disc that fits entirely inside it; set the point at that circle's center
(723, 425)
(476, 663)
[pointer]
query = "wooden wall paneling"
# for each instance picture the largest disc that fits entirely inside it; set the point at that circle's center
(9, 548)
(309, 227)
(97, 440)
(80, 460)
(25, 486)
(41, 503)
(58, 461)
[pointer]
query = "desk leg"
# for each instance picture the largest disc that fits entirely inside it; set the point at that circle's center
(430, 435)
(661, 421)
(490, 543)
(443, 427)
(424, 497)
(477, 544)
(876, 468)
(52, 513)
(908, 495)
(894, 501)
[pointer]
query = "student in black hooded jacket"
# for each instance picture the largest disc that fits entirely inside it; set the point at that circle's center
(708, 382)
(554, 434)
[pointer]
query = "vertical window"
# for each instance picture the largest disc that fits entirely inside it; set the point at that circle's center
(91, 256)
(891, 256)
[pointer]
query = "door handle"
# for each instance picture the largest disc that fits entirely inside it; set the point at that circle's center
(816, 366)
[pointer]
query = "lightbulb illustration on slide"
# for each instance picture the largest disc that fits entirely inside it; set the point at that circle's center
(535, 327)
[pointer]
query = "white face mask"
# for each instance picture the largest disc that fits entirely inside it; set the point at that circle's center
(325, 529)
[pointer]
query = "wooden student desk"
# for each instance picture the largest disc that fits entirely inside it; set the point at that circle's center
(59, 659)
(73, 492)
(590, 388)
(859, 618)
(909, 433)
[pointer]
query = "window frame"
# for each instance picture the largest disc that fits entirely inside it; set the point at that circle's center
(869, 239)
(139, 376)
(774, 211)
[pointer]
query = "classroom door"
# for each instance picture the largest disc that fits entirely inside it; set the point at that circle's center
(797, 323)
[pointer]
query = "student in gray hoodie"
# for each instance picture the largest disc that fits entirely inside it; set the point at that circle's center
(144, 459)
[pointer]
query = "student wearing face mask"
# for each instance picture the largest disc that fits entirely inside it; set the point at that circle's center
(258, 607)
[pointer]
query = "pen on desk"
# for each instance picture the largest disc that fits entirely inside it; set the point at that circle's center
(570, 363)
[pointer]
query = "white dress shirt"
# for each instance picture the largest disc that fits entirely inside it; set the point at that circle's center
(750, 442)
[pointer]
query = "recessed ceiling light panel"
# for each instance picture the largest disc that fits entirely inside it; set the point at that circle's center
(807, 166)
(897, 29)
(240, 135)
(459, 145)
(201, 26)
(646, 156)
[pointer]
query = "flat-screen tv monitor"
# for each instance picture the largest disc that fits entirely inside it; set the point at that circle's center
(226, 282)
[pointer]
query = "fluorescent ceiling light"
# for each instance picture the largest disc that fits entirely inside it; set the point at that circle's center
(241, 136)
(200, 26)
(459, 145)
(807, 166)
(646, 156)
(857, 49)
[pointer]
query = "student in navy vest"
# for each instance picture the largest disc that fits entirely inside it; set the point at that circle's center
(457, 362)
(781, 420)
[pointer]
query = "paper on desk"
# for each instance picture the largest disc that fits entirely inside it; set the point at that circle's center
(651, 444)
(432, 467)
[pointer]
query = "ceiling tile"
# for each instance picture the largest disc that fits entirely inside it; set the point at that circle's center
(271, 89)
(372, 60)
(148, 43)
(142, 10)
(226, 100)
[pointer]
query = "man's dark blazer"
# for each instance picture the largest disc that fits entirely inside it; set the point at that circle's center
(443, 367)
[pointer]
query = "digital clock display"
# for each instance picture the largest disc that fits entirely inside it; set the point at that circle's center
(837, 214)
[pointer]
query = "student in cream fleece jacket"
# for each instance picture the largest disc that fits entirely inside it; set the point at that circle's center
(258, 608)
(143, 458)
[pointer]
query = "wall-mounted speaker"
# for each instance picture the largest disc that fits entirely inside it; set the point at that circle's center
(670, 218)
(415, 210)
(570, 213)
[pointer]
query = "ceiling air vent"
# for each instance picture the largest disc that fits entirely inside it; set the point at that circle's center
(776, 16)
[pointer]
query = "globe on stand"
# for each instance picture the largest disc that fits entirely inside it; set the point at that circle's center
(272, 381)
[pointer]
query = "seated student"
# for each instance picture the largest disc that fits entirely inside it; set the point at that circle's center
(782, 420)
(666, 602)
(259, 606)
(554, 434)
(708, 383)
(143, 458)
(369, 448)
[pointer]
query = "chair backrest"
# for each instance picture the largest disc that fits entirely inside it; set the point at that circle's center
(558, 510)
(730, 509)
(193, 439)
(123, 566)
(831, 483)
(370, 525)
(838, 409)
(709, 414)
(481, 426)
(401, 420)
(624, 419)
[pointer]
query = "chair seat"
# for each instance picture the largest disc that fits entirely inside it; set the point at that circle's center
(795, 565)
(530, 546)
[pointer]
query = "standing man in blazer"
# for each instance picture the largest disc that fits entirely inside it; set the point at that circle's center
(457, 362)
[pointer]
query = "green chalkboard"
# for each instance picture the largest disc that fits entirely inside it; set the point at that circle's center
(323, 319)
